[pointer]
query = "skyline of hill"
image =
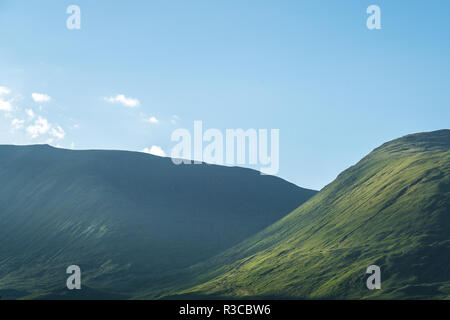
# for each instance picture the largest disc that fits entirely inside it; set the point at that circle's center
(125, 218)
(141, 227)
(391, 209)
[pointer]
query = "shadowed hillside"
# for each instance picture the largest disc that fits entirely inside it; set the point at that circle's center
(125, 218)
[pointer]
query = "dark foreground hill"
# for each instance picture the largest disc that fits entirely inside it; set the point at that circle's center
(125, 218)
(392, 209)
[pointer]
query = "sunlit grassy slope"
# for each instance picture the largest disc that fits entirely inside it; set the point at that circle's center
(125, 218)
(391, 209)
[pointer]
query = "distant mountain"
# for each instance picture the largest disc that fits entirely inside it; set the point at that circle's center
(125, 218)
(392, 209)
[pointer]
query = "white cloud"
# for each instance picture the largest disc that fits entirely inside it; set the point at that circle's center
(30, 113)
(4, 91)
(36, 126)
(33, 124)
(125, 101)
(17, 124)
(58, 133)
(5, 105)
(152, 120)
(40, 126)
(41, 97)
(155, 150)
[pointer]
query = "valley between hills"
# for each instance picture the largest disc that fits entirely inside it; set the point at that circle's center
(142, 228)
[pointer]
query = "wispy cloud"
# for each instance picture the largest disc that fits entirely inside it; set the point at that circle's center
(153, 120)
(41, 97)
(27, 120)
(58, 133)
(175, 119)
(155, 150)
(17, 124)
(125, 101)
(30, 113)
(5, 105)
(4, 91)
(39, 127)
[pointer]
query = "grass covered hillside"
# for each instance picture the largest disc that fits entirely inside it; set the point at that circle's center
(125, 218)
(392, 209)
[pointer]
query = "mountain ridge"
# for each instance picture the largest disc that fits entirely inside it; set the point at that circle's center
(373, 213)
(390, 209)
(125, 217)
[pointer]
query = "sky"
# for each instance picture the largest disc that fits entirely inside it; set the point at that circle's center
(138, 70)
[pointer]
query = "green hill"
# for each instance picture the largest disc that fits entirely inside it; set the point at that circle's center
(392, 209)
(139, 226)
(125, 218)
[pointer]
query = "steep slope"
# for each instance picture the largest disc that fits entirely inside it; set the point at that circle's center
(125, 218)
(392, 209)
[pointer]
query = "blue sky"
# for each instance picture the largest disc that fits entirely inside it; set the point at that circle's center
(312, 69)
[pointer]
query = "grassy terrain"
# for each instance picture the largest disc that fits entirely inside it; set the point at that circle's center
(125, 218)
(141, 227)
(391, 209)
